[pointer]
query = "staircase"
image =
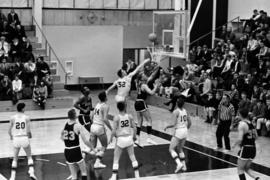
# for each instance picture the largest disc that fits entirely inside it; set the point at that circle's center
(58, 90)
(61, 97)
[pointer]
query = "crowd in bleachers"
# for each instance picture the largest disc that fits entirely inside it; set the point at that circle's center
(236, 66)
(21, 74)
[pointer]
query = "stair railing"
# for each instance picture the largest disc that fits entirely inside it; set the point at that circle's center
(50, 51)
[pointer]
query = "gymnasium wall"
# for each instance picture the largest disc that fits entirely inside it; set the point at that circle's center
(96, 51)
(244, 8)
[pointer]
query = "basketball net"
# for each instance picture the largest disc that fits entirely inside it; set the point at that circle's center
(156, 54)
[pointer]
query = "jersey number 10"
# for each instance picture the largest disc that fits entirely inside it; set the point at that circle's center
(125, 123)
(19, 125)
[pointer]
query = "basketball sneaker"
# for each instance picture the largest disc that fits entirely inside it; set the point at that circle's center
(178, 168)
(184, 168)
(99, 165)
(32, 175)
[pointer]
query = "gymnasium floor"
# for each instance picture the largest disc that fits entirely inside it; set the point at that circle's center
(203, 162)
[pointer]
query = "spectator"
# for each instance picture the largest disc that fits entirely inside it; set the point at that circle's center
(209, 108)
(13, 17)
(19, 32)
(5, 88)
(226, 115)
(15, 50)
(40, 95)
(2, 17)
(48, 81)
(27, 50)
(226, 72)
(258, 110)
(16, 69)
(6, 31)
(4, 47)
(262, 53)
(234, 96)
(42, 68)
(264, 120)
(29, 69)
(4, 67)
(16, 89)
(207, 87)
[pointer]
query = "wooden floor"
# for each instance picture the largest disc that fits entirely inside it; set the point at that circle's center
(47, 125)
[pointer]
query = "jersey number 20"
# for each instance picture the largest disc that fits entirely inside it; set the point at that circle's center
(124, 123)
(19, 125)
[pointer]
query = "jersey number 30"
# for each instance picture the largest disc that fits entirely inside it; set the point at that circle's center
(19, 125)
(69, 135)
(124, 123)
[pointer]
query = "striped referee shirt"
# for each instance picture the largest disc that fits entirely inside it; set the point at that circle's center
(226, 113)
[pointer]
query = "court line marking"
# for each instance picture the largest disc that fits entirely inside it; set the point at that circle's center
(39, 159)
(2, 177)
(210, 156)
(63, 164)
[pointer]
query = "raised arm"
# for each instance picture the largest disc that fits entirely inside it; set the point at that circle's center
(148, 90)
(111, 87)
(138, 68)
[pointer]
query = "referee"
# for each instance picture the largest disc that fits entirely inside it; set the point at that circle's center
(226, 114)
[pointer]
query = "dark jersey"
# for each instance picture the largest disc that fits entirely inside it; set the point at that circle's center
(141, 94)
(70, 137)
(85, 103)
(249, 137)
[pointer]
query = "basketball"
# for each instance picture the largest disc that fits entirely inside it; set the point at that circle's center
(152, 37)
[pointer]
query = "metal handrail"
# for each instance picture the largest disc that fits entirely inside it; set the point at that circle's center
(203, 36)
(51, 50)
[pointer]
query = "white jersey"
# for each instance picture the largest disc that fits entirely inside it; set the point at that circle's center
(181, 119)
(124, 126)
(123, 86)
(19, 124)
(97, 119)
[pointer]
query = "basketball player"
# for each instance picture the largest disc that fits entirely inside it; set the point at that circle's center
(100, 119)
(84, 104)
(124, 130)
(20, 132)
(123, 83)
(181, 124)
(73, 154)
(246, 140)
(141, 107)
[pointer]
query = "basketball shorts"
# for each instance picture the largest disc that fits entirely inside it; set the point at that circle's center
(97, 129)
(247, 152)
(124, 141)
(181, 133)
(85, 121)
(119, 98)
(73, 155)
(140, 105)
(21, 142)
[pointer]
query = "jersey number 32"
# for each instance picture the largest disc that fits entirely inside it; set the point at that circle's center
(124, 123)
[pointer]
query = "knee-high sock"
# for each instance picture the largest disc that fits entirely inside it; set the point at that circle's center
(135, 166)
(31, 165)
(242, 177)
(13, 169)
(138, 131)
(99, 155)
(115, 171)
(175, 157)
(149, 129)
(182, 158)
